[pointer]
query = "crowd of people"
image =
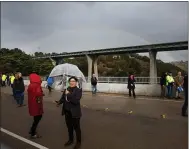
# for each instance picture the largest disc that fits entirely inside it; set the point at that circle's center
(171, 87)
(16, 82)
(179, 84)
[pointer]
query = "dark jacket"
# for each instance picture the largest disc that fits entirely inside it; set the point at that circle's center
(72, 103)
(163, 80)
(93, 81)
(131, 83)
(185, 85)
(7, 78)
(18, 85)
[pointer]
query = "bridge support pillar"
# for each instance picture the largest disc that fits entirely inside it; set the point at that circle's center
(57, 61)
(92, 66)
(153, 67)
(53, 61)
(95, 58)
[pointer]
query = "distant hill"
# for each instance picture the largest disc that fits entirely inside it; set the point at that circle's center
(181, 64)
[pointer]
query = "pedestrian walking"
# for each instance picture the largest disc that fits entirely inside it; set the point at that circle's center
(169, 83)
(50, 82)
(12, 78)
(179, 80)
(72, 110)
(163, 84)
(185, 105)
(94, 84)
(131, 85)
(8, 79)
(35, 102)
(19, 88)
(4, 77)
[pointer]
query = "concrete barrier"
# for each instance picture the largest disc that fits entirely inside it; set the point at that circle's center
(141, 89)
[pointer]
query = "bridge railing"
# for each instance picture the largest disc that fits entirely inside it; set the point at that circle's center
(124, 80)
(119, 80)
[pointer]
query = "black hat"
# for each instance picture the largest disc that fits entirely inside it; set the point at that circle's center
(73, 78)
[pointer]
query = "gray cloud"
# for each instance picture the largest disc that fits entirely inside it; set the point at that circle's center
(75, 26)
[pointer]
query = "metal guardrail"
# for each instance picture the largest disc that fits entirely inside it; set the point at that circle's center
(119, 80)
(124, 80)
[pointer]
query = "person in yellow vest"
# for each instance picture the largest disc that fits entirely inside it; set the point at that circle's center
(12, 77)
(169, 83)
(4, 77)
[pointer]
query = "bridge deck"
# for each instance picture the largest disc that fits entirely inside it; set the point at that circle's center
(174, 46)
(144, 129)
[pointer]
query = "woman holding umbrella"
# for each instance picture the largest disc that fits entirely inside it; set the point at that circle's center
(72, 110)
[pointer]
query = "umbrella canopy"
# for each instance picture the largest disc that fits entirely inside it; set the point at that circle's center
(67, 69)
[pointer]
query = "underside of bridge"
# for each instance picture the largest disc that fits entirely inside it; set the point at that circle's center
(92, 56)
(56, 61)
(93, 66)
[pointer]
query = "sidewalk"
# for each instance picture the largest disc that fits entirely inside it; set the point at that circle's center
(141, 106)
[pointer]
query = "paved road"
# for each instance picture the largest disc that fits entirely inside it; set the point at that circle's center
(100, 130)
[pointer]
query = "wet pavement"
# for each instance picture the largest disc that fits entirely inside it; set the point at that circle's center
(113, 128)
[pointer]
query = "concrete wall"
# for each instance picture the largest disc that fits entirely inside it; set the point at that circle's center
(141, 89)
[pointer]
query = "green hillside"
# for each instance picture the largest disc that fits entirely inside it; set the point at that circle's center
(112, 65)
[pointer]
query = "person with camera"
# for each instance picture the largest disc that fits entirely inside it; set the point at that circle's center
(72, 110)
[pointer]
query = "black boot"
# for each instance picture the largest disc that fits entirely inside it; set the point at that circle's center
(184, 114)
(68, 143)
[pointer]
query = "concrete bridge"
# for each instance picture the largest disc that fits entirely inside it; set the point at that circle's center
(92, 55)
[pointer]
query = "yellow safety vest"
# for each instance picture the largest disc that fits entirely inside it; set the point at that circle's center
(12, 79)
(4, 77)
(169, 79)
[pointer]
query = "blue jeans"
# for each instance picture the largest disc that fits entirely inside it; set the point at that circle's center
(94, 89)
(169, 91)
(19, 99)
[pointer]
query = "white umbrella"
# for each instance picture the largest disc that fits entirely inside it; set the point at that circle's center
(68, 70)
(65, 70)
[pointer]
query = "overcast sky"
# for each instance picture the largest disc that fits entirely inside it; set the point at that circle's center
(80, 26)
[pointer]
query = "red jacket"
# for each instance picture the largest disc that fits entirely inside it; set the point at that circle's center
(34, 91)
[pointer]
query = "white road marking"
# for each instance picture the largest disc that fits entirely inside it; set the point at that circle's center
(23, 139)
